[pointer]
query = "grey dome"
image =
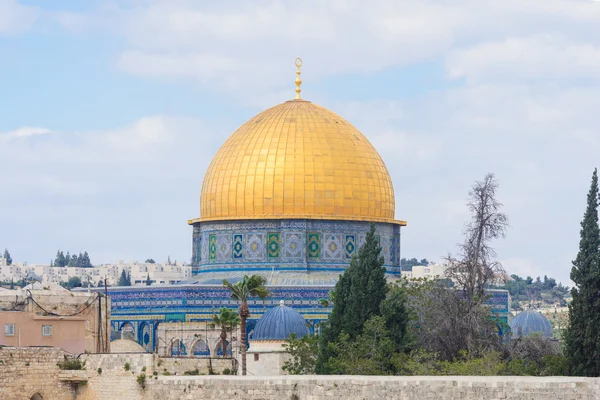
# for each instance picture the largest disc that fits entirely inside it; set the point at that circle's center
(279, 323)
(530, 321)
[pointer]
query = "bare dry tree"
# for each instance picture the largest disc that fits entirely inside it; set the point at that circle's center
(476, 268)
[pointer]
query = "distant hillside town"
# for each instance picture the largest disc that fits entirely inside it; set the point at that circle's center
(121, 273)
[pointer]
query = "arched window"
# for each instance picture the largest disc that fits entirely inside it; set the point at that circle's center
(178, 348)
(219, 350)
(201, 348)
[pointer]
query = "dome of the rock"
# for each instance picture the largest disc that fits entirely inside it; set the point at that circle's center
(279, 323)
(297, 160)
(530, 321)
(294, 190)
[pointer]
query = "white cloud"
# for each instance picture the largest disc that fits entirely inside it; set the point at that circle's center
(526, 58)
(24, 132)
(16, 18)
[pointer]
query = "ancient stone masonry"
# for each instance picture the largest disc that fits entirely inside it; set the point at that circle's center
(28, 371)
(25, 372)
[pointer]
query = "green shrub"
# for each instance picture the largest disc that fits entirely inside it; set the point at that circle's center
(99, 370)
(159, 363)
(166, 373)
(226, 371)
(155, 373)
(143, 369)
(127, 366)
(141, 380)
(71, 365)
(192, 372)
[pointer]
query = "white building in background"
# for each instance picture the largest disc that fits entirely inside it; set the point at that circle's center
(159, 273)
(431, 271)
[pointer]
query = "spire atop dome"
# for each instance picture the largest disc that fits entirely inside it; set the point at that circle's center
(298, 81)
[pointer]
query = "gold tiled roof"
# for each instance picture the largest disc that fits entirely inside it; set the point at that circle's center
(297, 160)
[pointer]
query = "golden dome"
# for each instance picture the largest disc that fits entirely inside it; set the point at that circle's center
(297, 160)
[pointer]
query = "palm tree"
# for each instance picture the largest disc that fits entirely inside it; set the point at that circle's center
(228, 320)
(249, 286)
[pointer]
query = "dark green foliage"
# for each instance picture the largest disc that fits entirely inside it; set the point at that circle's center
(73, 282)
(357, 297)
(12, 284)
(72, 364)
(192, 372)
(81, 260)
(583, 336)
(303, 354)
(546, 291)
(369, 354)
(395, 313)
(148, 280)
(149, 261)
(407, 264)
(125, 279)
(8, 258)
(141, 380)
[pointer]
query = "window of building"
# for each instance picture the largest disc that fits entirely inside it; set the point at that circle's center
(255, 356)
(46, 330)
(9, 329)
(426, 270)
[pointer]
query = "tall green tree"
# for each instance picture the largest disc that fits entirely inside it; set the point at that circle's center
(123, 281)
(583, 336)
(227, 319)
(253, 286)
(8, 258)
(148, 280)
(356, 298)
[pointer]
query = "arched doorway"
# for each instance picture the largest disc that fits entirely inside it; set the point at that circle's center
(127, 331)
(200, 348)
(144, 337)
(37, 396)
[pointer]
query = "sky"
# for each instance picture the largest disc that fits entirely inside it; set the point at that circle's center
(110, 112)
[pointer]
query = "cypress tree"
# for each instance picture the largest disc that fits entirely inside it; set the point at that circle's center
(356, 298)
(123, 278)
(583, 338)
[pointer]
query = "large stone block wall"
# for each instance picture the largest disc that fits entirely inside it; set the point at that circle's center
(27, 371)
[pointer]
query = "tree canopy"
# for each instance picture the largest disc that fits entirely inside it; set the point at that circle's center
(583, 336)
(81, 260)
(8, 258)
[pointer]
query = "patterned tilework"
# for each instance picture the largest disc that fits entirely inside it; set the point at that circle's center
(238, 246)
(255, 246)
(286, 244)
(293, 246)
(212, 247)
(332, 246)
(349, 246)
(313, 245)
(223, 247)
(273, 244)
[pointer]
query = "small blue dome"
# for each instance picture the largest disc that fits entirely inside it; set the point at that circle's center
(530, 321)
(278, 323)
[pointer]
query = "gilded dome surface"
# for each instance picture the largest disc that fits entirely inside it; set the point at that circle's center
(297, 160)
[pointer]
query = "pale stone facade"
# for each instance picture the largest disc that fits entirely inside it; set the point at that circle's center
(160, 273)
(27, 372)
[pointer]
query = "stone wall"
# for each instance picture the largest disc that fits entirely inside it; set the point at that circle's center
(27, 371)
(365, 387)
